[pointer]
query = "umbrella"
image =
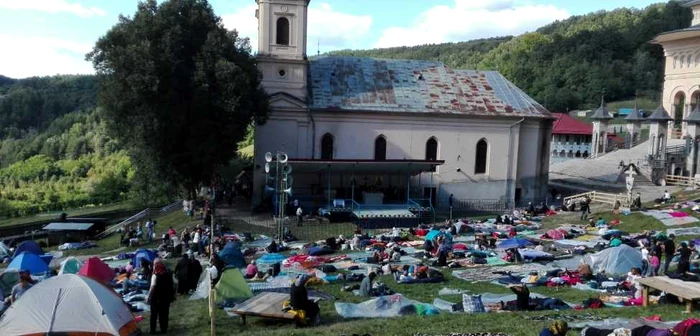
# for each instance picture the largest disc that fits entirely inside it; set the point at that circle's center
(271, 258)
(96, 269)
(26, 261)
(514, 243)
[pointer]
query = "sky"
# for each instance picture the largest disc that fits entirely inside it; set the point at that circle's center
(48, 37)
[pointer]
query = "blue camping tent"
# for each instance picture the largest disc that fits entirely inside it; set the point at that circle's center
(29, 246)
(28, 262)
(231, 255)
(143, 254)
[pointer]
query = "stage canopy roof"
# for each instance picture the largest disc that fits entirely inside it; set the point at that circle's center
(412, 167)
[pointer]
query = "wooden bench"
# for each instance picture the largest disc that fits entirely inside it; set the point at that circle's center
(688, 291)
(266, 304)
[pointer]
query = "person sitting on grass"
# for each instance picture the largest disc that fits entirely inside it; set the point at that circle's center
(366, 284)
(615, 241)
(251, 270)
(601, 222)
(299, 299)
(522, 293)
(558, 328)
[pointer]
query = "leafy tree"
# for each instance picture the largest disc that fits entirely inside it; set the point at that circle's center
(179, 87)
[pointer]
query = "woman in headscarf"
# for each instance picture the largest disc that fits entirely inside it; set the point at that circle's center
(299, 299)
(160, 295)
(558, 328)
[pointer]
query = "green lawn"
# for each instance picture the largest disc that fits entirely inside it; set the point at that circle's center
(94, 210)
(192, 318)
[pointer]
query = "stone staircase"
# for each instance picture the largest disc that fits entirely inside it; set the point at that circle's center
(605, 169)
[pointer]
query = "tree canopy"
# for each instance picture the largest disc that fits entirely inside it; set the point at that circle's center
(177, 88)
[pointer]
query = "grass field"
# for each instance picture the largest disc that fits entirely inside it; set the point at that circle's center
(72, 212)
(192, 317)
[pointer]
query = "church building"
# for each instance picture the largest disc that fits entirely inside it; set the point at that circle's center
(382, 132)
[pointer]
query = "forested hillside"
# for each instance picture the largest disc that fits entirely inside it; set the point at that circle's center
(567, 64)
(54, 149)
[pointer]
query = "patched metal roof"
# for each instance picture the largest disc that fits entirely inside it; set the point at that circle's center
(68, 226)
(387, 85)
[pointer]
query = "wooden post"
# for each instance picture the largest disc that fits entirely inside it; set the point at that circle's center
(688, 306)
(212, 306)
(645, 296)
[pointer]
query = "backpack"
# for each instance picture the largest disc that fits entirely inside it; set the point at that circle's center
(684, 328)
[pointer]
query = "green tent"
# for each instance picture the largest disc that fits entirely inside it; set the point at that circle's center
(232, 285)
(70, 266)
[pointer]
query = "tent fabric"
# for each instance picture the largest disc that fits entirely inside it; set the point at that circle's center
(145, 254)
(68, 304)
(8, 279)
(96, 269)
(231, 255)
(28, 262)
(615, 260)
(28, 246)
(69, 266)
(433, 234)
(203, 286)
(232, 285)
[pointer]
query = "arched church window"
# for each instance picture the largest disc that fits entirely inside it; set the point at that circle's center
(431, 149)
(283, 31)
(327, 147)
(482, 151)
(380, 148)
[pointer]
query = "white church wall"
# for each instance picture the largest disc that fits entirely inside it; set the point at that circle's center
(354, 135)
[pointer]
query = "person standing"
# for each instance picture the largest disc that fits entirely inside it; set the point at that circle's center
(683, 258)
(669, 252)
(182, 273)
(160, 296)
(197, 240)
(194, 271)
(300, 216)
(585, 209)
(149, 230)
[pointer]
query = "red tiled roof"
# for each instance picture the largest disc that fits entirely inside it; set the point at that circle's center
(566, 124)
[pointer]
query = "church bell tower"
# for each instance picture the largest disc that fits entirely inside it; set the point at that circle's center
(282, 46)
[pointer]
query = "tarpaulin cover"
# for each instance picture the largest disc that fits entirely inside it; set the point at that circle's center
(514, 243)
(615, 260)
(28, 246)
(145, 254)
(4, 250)
(231, 255)
(68, 304)
(203, 286)
(384, 306)
(28, 262)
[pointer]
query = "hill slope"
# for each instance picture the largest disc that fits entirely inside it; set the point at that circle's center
(54, 149)
(568, 63)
